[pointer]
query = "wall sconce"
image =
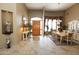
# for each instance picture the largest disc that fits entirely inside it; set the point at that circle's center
(25, 21)
(24, 18)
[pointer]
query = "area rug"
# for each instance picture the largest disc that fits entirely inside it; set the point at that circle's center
(64, 43)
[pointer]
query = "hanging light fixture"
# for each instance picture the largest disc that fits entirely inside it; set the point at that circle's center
(58, 3)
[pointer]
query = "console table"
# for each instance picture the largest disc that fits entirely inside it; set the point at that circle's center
(24, 35)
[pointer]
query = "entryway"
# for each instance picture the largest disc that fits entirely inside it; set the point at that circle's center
(36, 28)
(36, 24)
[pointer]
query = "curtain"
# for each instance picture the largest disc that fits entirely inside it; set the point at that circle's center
(52, 23)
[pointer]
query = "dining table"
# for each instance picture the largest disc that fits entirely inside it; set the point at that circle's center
(61, 35)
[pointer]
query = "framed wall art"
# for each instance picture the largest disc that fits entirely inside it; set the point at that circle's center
(7, 22)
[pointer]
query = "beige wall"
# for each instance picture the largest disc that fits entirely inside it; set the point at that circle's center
(35, 13)
(18, 10)
(39, 13)
(21, 11)
(12, 8)
(72, 14)
(55, 13)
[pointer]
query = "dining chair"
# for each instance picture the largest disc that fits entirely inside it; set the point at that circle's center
(70, 38)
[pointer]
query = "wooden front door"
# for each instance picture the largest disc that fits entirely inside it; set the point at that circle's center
(36, 28)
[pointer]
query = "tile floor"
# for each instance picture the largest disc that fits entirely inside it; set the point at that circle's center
(39, 45)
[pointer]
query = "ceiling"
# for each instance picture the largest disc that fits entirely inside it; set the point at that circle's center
(49, 6)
